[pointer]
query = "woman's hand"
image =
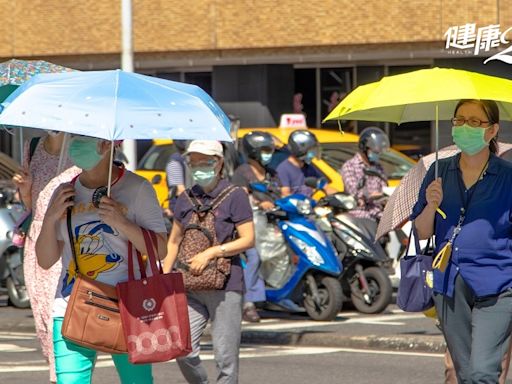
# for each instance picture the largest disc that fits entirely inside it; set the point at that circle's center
(266, 205)
(23, 181)
(112, 213)
(434, 193)
(62, 199)
(200, 261)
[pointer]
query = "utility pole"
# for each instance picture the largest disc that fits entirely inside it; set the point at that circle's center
(129, 146)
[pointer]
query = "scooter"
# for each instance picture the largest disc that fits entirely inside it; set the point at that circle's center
(12, 282)
(365, 278)
(299, 264)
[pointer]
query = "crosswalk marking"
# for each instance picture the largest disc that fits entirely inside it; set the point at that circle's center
(105, 361)
(381, 320)
(13, 348)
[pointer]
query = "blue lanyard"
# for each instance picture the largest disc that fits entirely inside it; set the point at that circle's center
(465, 202)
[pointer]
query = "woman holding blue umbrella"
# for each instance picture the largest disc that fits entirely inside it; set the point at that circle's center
(100, 227)
(473, 287)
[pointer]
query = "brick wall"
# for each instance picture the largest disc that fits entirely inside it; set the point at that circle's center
(73, 27)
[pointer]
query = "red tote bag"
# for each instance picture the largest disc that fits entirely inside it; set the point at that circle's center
(154, 311)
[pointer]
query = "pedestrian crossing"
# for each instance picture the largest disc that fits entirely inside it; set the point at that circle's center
(12, 363)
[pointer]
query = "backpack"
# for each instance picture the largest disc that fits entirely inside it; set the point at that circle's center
(199, 235)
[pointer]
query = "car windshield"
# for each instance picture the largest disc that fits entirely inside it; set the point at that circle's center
(335, 154)
(157, 157)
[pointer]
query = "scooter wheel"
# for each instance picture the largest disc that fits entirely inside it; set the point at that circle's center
(380, 293)
(17, 295)
(330, 299)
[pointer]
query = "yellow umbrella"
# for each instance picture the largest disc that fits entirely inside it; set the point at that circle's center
(414, 96)
(427, 94)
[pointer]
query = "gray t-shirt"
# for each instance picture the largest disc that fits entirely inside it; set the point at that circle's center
(101, 250)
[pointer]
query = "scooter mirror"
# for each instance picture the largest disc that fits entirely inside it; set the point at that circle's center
(311, 182)
(371, 171)
(315, 182)
(258, 187)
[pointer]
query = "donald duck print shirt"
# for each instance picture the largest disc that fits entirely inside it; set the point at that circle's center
(101, 250)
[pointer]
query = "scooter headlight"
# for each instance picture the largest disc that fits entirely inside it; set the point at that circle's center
(312, 254)
(304, 207)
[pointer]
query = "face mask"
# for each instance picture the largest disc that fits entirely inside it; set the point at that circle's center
(266, 158)
(83, 152)
(468, 139)
(204, 176)
(309, 157)
(373, 157)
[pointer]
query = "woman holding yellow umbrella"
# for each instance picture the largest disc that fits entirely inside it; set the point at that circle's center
(473, 294)
(477, 274)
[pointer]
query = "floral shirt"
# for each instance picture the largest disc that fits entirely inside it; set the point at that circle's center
(362, 186)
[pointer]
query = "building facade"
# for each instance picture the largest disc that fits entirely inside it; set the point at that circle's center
(261, 58)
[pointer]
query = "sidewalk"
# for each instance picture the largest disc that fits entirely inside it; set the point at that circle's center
(393, 330)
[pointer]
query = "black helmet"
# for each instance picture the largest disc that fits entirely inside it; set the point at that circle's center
(302, 141)
(181, 144)
(255, 141)
(374, 139)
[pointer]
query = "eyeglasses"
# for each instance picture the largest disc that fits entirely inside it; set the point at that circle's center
(208, 163)
(473, 122)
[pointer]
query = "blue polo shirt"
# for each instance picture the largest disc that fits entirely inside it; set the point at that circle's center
(295, 178)
(482, 252)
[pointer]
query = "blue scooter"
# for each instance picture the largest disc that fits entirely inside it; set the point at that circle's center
(301, 268)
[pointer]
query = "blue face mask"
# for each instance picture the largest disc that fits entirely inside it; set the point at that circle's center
(373, 157)
(203, 176)
(83, 152)
(309, 157)
(469, 140)
(266, 158)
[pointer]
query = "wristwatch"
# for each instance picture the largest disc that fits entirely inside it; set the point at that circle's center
(223, 250)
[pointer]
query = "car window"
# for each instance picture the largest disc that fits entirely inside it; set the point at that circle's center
(157, 157)
(335, 154)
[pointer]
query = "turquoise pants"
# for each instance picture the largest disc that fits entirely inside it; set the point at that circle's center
(74, 363)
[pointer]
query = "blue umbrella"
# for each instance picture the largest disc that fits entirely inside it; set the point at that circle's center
(116, 105)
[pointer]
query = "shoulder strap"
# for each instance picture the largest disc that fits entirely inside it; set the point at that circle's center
(71, 238)
(33, 145)
(196, 204)
(222, 196)
(70, 230)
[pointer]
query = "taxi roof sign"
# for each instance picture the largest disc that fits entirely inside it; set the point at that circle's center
(293, 120)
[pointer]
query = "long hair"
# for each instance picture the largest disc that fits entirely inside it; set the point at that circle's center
(491, 111)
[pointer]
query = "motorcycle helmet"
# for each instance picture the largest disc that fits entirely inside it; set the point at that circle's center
(181, 145)
(255, 143)
(303, 144)
(373, 139)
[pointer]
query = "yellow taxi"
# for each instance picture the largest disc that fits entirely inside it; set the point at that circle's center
(336, 148)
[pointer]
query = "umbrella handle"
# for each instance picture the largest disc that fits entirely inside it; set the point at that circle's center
(110, 167)
(62, 153)
(437, 142)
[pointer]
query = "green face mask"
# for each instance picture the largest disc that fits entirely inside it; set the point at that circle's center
(83, 152)
(468, 139)
(204, 176)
